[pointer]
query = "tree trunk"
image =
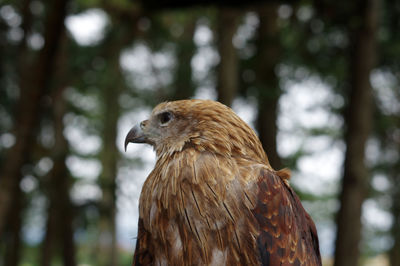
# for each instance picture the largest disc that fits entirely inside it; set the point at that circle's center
(394, 171)
(358, 121)
(62, 183)
(227, 80)
(50, 239)
(394, 252)
(267, 82)
(59, 230)
(26, 26)
(12, 235)
(186, 49)
(107, 237)
(29, 107)
(109, 158)
(59, 233)
(13, 230)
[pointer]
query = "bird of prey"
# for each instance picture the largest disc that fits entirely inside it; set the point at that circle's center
(212, 197)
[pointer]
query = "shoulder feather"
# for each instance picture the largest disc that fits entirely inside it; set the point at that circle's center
(287, 234)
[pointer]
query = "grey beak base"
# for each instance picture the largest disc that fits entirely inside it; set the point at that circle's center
(135, 135)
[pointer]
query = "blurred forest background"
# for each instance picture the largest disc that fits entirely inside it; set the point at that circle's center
(318, 80)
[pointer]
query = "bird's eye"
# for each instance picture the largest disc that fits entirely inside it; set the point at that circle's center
(165, 117)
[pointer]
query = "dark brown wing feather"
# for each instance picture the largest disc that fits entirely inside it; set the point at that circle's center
(142, 255)
(288, 235)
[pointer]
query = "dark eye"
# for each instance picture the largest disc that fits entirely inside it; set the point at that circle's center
(165, 117)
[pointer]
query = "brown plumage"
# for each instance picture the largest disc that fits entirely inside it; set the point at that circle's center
(212, 197)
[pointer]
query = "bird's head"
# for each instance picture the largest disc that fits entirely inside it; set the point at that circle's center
(167, 129)
(202, 124)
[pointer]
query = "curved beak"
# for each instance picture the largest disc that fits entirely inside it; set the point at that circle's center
(135, 135)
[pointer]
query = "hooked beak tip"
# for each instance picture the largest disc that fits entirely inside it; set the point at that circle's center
(135, 135)
(126, 144)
